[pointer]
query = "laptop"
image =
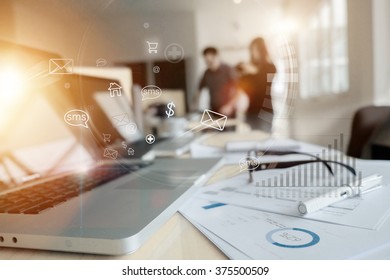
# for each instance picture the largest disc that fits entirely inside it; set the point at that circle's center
(106, 108)
(68, 181)
(172, 146)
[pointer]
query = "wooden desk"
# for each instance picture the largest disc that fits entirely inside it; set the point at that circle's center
(176, 239)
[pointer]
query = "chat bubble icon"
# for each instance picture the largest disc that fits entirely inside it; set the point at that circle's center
(77, 118)
(151, 92)
(248, 163)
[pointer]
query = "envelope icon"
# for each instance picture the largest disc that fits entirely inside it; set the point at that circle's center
(60, 66)
(110, 153)
(213, 120)
(121, 119)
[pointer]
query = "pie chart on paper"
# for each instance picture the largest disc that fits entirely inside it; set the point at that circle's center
(292, 237)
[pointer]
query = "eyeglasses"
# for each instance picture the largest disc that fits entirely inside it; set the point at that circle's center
(255, 166)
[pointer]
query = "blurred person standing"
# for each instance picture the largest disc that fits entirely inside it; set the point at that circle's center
(256, 81)
(221, 81)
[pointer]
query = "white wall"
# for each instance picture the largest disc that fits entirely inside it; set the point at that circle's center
(87, 30)
(234, 27)
(168, 27)
(322, 119)
(62, 27)
(231, 28)
(381, 25)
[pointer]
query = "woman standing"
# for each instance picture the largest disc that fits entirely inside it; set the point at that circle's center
(256, 81)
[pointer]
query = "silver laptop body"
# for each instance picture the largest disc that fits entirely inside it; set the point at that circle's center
(42, 155)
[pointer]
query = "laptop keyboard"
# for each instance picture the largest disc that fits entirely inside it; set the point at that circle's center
(42, 196)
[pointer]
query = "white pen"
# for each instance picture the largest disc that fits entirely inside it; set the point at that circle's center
(359, 187)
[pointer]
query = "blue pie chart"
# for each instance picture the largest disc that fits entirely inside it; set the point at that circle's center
(292, 237)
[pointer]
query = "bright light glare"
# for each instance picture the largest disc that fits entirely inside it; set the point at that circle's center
(10, 84)
(237, 1)
(83, 168)
(288, 26)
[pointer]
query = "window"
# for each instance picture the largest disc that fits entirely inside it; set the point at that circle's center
(323, 51)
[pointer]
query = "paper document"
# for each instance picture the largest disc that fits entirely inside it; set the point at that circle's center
(236, 150)
(270, 143)
(355, 212)
(230, 251)
(220, 140)
(263, 235)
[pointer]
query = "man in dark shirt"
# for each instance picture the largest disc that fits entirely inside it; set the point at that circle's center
(221, 81)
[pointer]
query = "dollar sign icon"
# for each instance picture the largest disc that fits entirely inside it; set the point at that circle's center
(170, 111)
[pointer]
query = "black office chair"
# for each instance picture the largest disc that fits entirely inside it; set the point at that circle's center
(366, 122)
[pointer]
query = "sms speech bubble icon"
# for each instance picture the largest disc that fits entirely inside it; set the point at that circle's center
(151, 92)
(248, 163)
(77, 118)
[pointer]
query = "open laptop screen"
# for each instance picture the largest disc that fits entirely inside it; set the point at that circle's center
(52, 123)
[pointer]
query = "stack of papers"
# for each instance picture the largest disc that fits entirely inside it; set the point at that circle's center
(245, 233)
(246, 225)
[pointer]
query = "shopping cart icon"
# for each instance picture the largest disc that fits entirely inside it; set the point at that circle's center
(152, 47)
(106, 137)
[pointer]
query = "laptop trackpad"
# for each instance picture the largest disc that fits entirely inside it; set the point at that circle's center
(160, 179)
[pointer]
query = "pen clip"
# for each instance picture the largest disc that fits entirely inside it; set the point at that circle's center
(367, 184)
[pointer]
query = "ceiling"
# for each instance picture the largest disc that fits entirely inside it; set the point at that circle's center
(108, 8)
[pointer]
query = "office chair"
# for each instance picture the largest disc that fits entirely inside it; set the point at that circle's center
(365, 122)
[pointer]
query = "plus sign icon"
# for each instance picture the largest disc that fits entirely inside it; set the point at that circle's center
(174, 53)
(150, 138)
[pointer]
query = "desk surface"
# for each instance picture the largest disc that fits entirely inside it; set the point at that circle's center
(176, 239)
